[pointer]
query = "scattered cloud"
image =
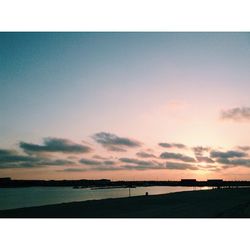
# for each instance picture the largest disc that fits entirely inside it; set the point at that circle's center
(55, 145)
(180, 166)
(109, 162)
(235, 162)
(177, 156)
(72, 170)
(90, 162)
(172, 145)
(99, 157)
(135, 161)
(113, 142)
(227, 154)
(90, 169)
(34, 156)
(145, 155)
(236, 114)
(12, 159)
(199, 150)
(137, 164)
(11, 156)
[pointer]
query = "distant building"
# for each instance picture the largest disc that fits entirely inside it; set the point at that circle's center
(5, 179)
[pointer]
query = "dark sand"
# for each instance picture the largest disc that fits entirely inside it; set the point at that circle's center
(224, 203)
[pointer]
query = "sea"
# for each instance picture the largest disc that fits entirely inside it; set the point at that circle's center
(11, 198)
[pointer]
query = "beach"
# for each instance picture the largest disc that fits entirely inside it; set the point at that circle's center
(216, 203)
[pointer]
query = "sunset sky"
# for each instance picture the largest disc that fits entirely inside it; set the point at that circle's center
(125, 106)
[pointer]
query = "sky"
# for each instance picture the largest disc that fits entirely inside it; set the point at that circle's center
(125, 106)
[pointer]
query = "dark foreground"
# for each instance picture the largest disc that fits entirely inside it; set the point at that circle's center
(224, 203)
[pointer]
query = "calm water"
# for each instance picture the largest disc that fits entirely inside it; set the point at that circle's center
(37, 196)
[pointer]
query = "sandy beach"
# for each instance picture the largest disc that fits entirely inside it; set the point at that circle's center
(224, 203)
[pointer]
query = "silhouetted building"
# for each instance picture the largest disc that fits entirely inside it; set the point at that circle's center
(5, 179)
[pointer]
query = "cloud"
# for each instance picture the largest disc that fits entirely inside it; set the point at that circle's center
(6, 152)
(72, 170)
(54, 162)
(99, 157)
(11, 156)
(180, 166)
(199, 150)
(113, 142)
(135, 161)
(199, 154)
(55, 145)
(12, 159)
(172, 145)
(135, 164)
(109, 162)
(90, 169)
(143, 167)
(130, 164)
(145, 155)
(227, 154)
(234, 162)
(96, 163)
(236, 114)
(90, 162)
(244, 148)
(177, 156)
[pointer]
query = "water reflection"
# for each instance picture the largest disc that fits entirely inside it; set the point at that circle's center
(37, 196)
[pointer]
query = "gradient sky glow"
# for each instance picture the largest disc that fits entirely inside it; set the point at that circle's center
(104, 101)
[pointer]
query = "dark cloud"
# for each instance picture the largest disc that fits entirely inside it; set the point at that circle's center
(172, 145)
(90, 162)
(109, 162)
(6, 152)
(55, 145)
(234, 162)
(227, 154)
(12, 159)
(236, 114)
(56, 162)
(93, 163)
(145, 155)
(113, 142)
(180, 166)
(177, 156)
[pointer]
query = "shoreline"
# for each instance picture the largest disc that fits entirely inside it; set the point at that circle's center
(216, 203)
